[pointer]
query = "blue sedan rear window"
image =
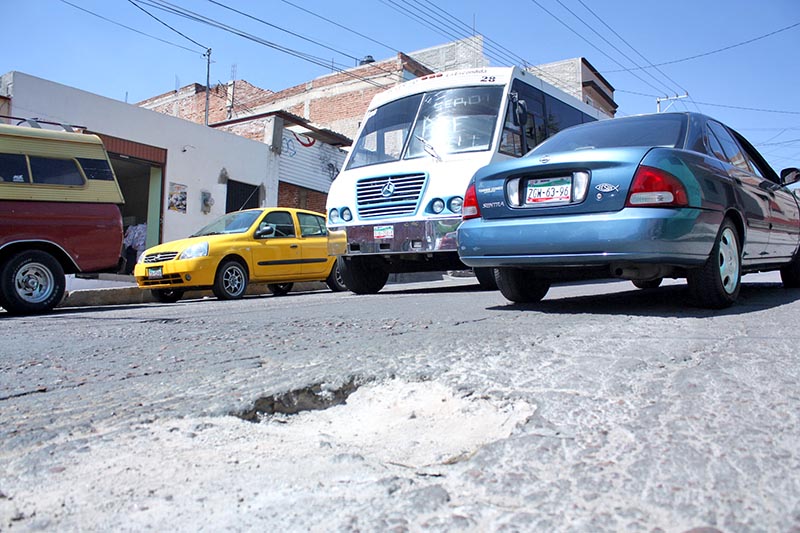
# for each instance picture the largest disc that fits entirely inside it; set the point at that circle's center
(661, 130)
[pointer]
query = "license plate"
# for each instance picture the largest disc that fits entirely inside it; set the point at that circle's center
(549, 191)
(154, 273)
(383, 232)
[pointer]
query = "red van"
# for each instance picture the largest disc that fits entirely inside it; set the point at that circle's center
(59, 214)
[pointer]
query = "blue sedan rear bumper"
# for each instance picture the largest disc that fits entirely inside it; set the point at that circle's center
(678, 237)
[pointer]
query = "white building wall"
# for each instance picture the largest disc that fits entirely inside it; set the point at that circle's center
(196, 155)
(309, 163)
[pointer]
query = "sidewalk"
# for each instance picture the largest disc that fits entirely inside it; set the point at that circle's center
(119, 289)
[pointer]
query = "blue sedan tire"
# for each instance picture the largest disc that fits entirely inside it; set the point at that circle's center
(790, 274)
(520, 286)
(716, 284)
(485, 277)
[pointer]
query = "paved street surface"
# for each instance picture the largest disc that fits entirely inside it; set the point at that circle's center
(437, 407)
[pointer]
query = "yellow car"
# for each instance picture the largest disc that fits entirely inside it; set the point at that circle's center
(275, 245)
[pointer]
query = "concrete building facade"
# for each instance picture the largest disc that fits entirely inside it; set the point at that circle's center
(176, 175)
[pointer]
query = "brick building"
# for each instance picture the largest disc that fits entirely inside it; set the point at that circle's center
(329, 109)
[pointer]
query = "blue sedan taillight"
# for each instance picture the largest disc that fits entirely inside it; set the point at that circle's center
(653, 187)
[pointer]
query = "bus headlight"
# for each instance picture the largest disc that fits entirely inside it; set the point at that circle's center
(333, 216)
(455, 204)
(347, 216)
(437, 206)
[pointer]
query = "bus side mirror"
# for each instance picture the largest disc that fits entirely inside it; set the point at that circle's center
(521, 113)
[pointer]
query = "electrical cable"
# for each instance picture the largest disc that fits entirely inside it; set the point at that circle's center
(592, 44)
(167, 25)
(718, 50)
(183, 12)
(131, 29)
(299, 36)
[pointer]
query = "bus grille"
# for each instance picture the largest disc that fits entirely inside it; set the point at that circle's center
(389, 195)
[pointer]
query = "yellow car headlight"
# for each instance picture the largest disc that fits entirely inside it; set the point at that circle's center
(196, 250)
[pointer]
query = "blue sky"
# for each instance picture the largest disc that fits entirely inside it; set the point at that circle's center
(753, 87)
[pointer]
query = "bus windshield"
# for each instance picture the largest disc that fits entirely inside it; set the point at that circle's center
(445, 122)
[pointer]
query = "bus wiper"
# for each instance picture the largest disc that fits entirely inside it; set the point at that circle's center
(429, 148)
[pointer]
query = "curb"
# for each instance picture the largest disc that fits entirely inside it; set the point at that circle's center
(135, 295)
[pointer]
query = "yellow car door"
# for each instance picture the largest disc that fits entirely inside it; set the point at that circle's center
(314, 245)
(276, 248)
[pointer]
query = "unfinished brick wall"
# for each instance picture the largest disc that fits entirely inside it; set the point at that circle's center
(189, 103)
(290, 195)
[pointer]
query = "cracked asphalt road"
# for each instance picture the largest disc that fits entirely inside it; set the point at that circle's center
(603, 408)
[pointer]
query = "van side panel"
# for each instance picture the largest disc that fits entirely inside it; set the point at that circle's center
(90, 233)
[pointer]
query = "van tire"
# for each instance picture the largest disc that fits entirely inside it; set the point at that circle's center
(31, 282)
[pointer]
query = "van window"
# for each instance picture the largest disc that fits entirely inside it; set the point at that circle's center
(13, 168)
(51, 171)
(96, 169)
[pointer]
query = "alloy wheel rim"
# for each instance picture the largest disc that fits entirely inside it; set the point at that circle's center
(233, 280)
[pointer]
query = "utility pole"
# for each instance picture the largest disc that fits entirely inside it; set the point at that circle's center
(667, 98)
(208, 78)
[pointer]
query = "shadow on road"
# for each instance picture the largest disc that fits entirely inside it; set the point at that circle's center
(667, 301)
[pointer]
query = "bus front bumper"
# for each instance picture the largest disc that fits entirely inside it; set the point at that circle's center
(413, 237)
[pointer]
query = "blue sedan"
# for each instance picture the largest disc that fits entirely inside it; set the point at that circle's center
(673, 195)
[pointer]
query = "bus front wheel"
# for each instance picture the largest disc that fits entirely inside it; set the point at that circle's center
(364, 275)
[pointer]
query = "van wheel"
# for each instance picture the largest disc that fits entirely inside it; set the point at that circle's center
(520, 286)
(280, 289)
(335, 281)
(31, 282)
(167, 296)
(231, 281)
(364, 275)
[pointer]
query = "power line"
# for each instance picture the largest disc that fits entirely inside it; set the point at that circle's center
(299, 36)
(612, 45)
(629, 45)
(186, 13)
(718, 49)
(591, 43)
(167, 25)
(131, 29)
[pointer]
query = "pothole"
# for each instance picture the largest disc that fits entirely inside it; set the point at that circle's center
(314, 398)
(408, 424)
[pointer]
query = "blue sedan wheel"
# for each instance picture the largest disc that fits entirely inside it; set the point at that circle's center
(520, 286)
(716, 284)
